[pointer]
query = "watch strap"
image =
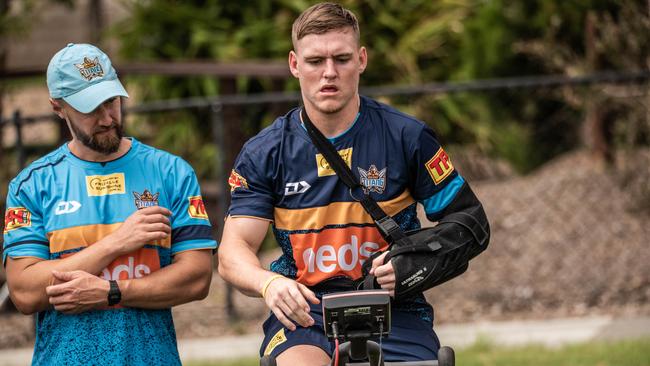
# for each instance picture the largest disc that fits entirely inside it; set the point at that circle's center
(114, 293)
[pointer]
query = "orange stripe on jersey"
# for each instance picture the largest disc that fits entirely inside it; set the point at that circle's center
(83, 236)
(336, 213)
(334, 252)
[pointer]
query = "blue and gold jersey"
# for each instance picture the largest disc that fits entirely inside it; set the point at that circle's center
(61, 204)
(323, 231)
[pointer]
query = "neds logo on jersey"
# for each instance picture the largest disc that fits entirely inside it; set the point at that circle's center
(17, 217)
(137, 264)
(134, 265)
(334, 252)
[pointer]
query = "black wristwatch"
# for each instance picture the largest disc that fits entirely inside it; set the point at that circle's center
(114, 294)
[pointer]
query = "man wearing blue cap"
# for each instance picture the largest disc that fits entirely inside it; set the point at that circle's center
(105, 234)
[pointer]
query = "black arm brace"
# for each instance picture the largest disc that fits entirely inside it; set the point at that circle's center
(428, 257)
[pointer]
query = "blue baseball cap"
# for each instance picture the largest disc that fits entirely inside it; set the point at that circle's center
(83, 76)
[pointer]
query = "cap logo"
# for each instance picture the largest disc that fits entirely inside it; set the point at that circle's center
(90, 69)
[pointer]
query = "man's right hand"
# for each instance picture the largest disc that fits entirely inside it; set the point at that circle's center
(143, 227)
(288, 301)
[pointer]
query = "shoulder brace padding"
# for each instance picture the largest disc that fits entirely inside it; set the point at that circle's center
(431, 256)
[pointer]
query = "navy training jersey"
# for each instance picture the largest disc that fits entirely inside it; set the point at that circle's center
(61, 204)
(323, 232)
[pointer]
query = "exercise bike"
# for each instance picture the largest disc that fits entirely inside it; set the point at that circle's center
(353, 318)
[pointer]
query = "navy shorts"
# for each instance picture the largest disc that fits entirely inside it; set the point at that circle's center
(410, 339)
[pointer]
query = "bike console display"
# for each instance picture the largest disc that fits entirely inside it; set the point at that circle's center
(356, 314)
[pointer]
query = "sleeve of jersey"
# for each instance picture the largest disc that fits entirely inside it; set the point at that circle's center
(191, 229)
(435, 180)
(24, 233)
(250, 189)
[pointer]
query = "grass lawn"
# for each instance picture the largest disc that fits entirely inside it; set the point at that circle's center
(628, 353)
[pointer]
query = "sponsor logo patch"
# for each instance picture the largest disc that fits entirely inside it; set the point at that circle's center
(90, 69)
(102, 185)
(334, 252)
(17, 217)
(372, 180)
(133, 265)
(324, 168)
(146, 199)
(277, 340)
(439, 166)
(67, 207)
(196, 208)
(296, 187)
(236, 181)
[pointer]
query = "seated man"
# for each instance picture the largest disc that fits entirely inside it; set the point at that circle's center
(324, 232)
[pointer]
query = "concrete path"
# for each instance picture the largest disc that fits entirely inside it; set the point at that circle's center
(552, 332)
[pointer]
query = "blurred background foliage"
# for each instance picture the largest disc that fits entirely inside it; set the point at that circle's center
(409, 42)
(413, 42)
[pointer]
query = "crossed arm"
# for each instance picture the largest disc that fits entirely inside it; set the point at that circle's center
(71, 286)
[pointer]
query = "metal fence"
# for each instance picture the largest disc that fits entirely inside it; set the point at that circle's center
(568, 239)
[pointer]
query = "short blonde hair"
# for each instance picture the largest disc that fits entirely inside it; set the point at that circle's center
(322, 18)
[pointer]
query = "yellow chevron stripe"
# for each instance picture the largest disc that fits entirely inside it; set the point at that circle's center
(336, 213)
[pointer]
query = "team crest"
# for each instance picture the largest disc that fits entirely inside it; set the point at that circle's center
(146, 199)
(196, 208)
(17, 217)
(372, 180)
(236, 181)
(90, 69)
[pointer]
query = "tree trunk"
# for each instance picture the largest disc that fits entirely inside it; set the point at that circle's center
(96, 21)
(595, 128)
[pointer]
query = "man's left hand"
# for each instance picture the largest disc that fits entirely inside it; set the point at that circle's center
(77, 292)
(384, 273)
